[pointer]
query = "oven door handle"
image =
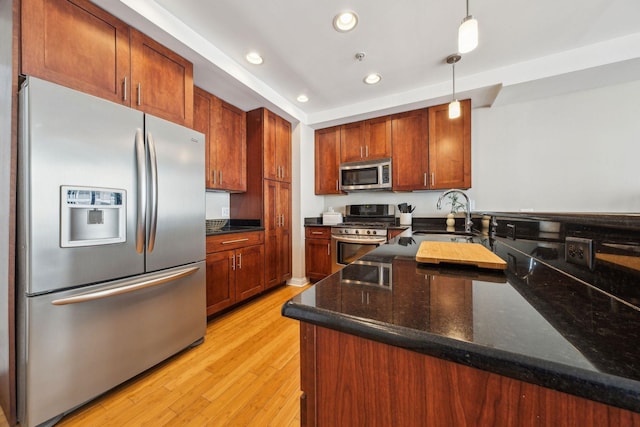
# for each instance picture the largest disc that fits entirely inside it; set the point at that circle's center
(360, 240)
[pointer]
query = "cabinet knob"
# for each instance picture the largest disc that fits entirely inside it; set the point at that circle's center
(139, 94)
(124, 88)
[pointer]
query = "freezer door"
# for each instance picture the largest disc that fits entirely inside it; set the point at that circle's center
(176, 195)
(70, 142)
(75, 345)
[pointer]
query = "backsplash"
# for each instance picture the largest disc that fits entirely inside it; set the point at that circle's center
(601, 250)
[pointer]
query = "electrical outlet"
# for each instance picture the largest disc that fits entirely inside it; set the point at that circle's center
(579, 251)
(511, 231)
(225, 212)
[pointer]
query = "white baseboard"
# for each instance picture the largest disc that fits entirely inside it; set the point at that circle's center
(298, 281)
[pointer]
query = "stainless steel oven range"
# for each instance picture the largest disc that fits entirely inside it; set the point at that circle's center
(363, 230)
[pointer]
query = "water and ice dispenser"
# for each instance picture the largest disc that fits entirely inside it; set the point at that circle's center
(92, 216)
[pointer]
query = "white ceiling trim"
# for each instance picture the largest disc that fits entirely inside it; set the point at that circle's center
(603, 53)
(482, 87)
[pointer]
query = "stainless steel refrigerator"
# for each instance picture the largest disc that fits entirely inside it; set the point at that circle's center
(111, 246)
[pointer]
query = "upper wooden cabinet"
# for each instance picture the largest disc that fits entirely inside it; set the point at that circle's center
(410, 150)
(327, 160)
(162, 81)
(365, 140)
(76, 44)
(429, 151)
(225, 129)
(450, 147)
(377, 138)
(352, 142)
(277, 146)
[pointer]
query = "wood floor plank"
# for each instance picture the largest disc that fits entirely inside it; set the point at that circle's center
(246, 373)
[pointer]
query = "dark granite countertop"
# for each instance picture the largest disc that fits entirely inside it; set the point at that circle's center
(533, 322)
(237, 226)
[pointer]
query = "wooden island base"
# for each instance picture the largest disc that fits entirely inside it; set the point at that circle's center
(350, 381)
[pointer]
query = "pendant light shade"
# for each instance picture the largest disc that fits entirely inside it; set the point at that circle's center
(454, 105)
(468, 33)
(454, 109)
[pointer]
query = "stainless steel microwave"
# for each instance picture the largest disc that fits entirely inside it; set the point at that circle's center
(367, 175)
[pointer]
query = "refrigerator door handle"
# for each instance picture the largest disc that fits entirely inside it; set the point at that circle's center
(142, 192)
(153, 170)
(127, 287)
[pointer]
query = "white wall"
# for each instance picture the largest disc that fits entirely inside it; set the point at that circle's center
(215, 201)
(577, 152)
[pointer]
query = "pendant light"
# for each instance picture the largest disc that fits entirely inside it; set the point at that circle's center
(468, 33)
(454, 105)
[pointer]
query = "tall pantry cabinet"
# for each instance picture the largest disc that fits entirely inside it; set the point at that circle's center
(268, 194)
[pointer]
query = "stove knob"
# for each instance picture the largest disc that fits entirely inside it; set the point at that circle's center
(357, 231)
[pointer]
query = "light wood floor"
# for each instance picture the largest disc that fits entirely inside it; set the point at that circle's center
(246, 373)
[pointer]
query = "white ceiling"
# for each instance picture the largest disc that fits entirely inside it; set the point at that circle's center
(528, 48)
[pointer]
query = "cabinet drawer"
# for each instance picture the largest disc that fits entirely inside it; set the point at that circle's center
(233, 241)
(317, 232)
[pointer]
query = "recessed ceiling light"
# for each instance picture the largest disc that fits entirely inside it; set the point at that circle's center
(302, 98)
(254, 58)
(345, 21)
(372, 78)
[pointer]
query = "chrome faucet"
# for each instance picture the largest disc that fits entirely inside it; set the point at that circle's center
(468, 223)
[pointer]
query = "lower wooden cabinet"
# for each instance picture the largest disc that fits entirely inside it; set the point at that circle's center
(393, 386)
(235, 269)
(317, 252)
(277, 225)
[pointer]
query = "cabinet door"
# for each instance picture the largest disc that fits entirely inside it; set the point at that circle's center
(202, 107)
(229, 146)
(377, 138)
(271, 225)
(450, 147)
(409, 133)
(249, 271)
(284, 233)
(162, 81)
(277, 232)
(270, 130)
(327, 160)
(220, 281)
(283, 149)
(352, 142)
(76, 44)
(317, 255)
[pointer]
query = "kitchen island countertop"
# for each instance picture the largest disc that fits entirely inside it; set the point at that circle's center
(531, 322)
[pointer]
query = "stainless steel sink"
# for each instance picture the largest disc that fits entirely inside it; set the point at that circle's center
(445, 236)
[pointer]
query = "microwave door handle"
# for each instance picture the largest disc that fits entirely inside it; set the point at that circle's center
(141, 202)
(153, 202)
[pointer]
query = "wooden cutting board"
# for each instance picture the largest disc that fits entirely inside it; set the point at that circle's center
(459, 253)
